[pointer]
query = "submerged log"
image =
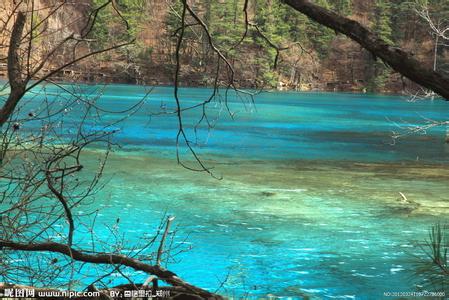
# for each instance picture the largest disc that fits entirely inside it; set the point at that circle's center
(111, 259)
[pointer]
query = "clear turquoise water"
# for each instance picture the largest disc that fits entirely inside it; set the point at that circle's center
(308, 201)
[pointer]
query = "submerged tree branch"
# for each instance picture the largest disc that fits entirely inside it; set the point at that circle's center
(110, 259)
(63, 201)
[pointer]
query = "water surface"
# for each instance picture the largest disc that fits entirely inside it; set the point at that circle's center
(308, 204)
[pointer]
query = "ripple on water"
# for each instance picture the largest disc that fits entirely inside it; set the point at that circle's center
(303, 237)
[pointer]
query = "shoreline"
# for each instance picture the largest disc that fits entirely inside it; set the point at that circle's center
(263, 90)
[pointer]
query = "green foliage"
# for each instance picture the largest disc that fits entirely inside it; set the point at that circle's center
(343, 7)
(173, 18)
(35, 21)
(277, 22)
(114, 27)
(434, 268)
(379, 77)
(383, 27)
(318, 36)
(402, 11)
(225, 21)
(285, 27)
(383, 20)
(270, 18)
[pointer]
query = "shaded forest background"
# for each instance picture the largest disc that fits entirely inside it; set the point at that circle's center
(312, 57)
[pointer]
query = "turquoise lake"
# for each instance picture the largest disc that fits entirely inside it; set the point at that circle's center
(309, 201)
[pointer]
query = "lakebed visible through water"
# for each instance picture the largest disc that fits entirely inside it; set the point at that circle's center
(287, 228)
(309, 203)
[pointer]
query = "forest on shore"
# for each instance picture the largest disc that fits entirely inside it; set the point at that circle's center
(311, 56)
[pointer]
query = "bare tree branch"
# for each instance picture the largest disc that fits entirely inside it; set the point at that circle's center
(110, 259)
(398, 59)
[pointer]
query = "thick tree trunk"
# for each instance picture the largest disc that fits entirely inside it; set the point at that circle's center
(16, 81)
(398, 59)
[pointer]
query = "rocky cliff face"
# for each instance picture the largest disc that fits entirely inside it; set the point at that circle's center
(345, 67)
(53, 21)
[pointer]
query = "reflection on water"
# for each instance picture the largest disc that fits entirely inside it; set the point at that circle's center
(309, 204)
